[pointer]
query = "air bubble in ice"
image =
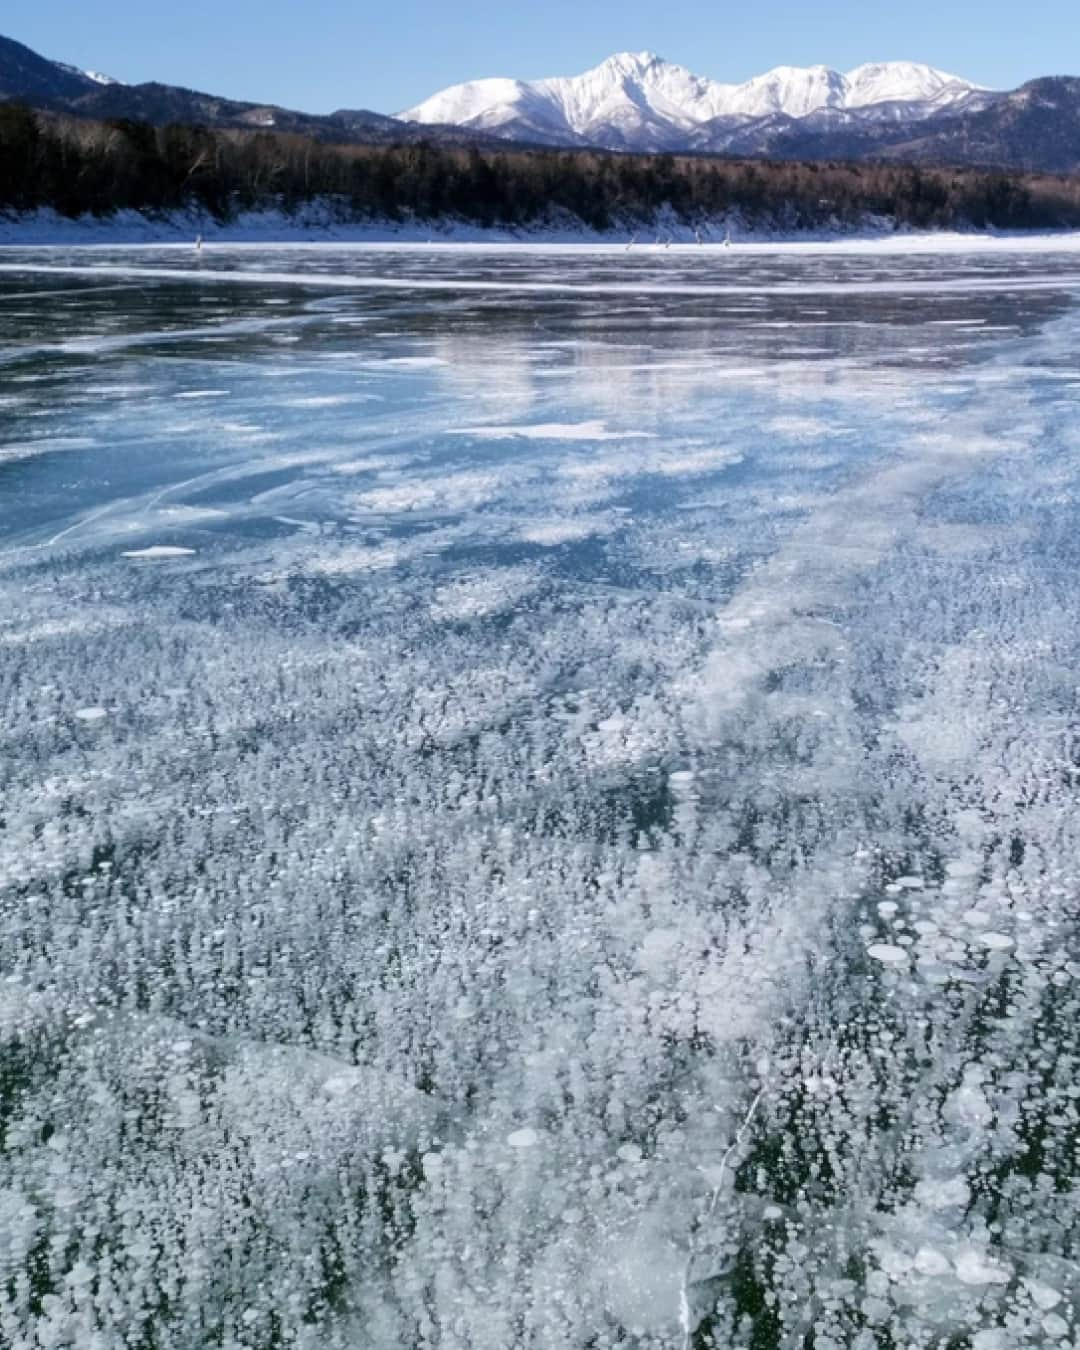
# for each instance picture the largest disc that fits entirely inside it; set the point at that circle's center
(887, 953)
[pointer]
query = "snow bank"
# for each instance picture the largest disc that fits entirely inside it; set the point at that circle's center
(323, 223)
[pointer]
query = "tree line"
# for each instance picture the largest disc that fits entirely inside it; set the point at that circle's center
(78, 167)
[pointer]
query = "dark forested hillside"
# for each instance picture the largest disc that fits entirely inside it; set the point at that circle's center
(78, 166)
(1034, 128)
(26, 75)
(52, 87)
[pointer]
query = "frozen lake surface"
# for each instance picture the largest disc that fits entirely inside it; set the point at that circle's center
(539, 798)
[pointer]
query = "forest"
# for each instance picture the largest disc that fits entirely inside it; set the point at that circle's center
(79, 167)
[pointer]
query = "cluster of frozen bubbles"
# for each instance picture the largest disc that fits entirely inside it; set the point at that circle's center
(425, 952)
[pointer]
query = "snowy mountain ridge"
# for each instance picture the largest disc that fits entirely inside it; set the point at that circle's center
(638, 100)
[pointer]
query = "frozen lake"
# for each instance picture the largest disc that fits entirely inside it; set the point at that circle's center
(539, 798)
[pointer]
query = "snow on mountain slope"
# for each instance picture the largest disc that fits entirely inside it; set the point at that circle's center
(903, 81)
(636, 99)
(95, 75)
(640, 81)
(795, 91)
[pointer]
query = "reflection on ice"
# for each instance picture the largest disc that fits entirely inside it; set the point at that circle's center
(543, 813)
(552, 431)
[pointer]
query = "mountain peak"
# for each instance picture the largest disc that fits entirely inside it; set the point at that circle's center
(890, 81)
(633, 60)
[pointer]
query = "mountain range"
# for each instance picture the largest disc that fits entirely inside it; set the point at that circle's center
(636, 101)
(896, 110)
(892, 110)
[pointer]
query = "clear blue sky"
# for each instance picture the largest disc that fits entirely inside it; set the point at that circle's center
(386, 54)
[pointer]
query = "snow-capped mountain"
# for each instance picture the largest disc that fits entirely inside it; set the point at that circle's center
(636, 100)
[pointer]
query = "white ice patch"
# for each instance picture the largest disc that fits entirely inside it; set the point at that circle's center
(50, 629)
(349, 561)
(691, 463)
(937, 1193)
(327, 400)
(479, 596)
(189, 515)
(158, 551)
(622, 739)
(968, 1107)
(929, 1261)
(1044, 1296)
(997, 942)
(642, 1270)
(887, 953)
(367, 464)
(463, 491)
(406, 363)
(572, 529)
(800, 428)
(665, 462)
(977, 1267)
(553, 431)
(45, 445)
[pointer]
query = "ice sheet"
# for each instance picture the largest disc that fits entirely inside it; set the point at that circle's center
(530, 815)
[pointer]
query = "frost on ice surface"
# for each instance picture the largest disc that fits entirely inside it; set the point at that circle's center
(91, 714)
(480, 596)
(159, 551)
(571, 890)
(346, 561)
(570, 529)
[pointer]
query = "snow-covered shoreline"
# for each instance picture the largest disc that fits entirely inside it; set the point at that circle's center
(46, 228)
